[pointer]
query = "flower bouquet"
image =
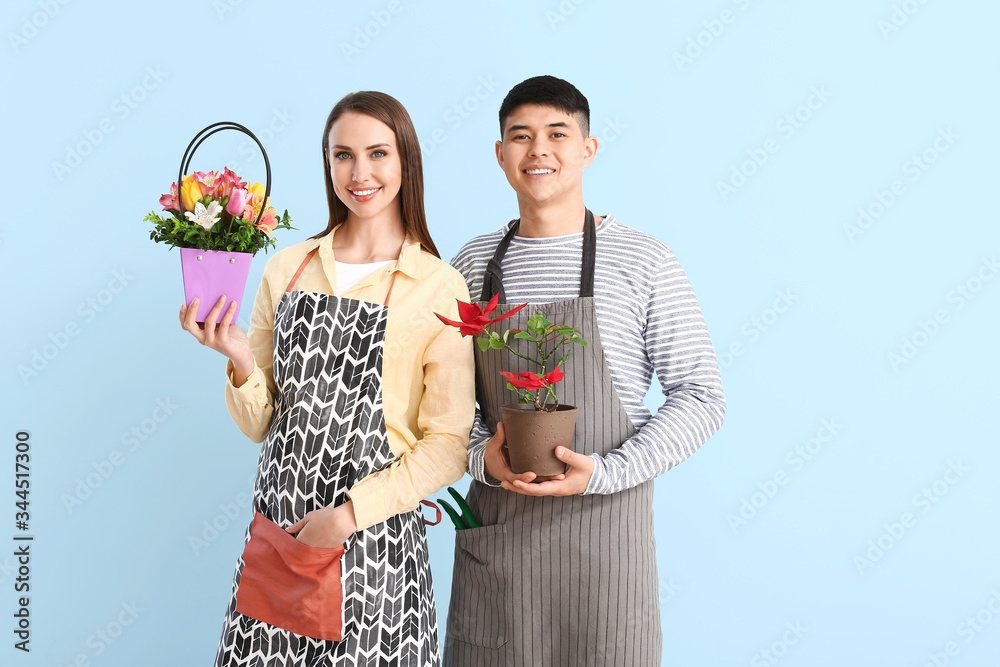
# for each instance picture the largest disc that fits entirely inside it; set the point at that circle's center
(219, 222)
(534, 432)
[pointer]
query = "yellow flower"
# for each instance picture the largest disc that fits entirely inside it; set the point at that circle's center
(190, 193)
(256, 191)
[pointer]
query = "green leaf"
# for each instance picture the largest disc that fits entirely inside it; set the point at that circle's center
(496, 343)
(484, 343)
(537, 323)
(524, 335)
(505, 334)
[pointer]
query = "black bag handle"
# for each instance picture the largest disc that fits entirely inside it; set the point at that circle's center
(205, 134)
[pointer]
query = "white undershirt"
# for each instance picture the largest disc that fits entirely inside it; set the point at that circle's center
(349, 275)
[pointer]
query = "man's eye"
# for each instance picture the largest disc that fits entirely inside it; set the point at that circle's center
(558, 134)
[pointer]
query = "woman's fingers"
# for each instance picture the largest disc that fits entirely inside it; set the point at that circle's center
(211, 319)
(188, 316)
(228, 318)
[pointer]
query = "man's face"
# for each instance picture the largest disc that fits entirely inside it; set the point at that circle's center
(543, 152)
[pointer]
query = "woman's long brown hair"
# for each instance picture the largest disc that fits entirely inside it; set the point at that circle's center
(411, 192)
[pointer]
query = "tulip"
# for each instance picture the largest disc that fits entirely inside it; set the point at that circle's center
(190, 193)
(237, 202)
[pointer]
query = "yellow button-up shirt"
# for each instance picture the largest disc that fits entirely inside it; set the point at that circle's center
(428, 377)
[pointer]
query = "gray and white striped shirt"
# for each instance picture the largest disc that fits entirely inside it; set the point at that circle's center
(648, 319)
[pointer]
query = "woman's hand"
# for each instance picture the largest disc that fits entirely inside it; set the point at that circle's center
(226, 337)
(326, 528)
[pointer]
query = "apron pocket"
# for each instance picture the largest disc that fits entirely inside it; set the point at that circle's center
(290, 585)
(479, 609)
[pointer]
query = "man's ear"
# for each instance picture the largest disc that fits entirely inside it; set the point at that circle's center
(590, 150)
(500, 153)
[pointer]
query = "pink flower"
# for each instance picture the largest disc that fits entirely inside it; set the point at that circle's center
(210, 183)
(230, 182)
(237, 202)
(169, 200)
(268, 221)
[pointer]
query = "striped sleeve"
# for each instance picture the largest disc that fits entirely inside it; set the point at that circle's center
(680, 350)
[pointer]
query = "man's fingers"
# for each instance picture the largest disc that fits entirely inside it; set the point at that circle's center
(567, 455)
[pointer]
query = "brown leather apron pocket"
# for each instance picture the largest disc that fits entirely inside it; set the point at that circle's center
(290, 585)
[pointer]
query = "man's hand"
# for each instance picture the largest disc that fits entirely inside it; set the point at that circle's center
(497, 464)
(572, 483)
(326, 528)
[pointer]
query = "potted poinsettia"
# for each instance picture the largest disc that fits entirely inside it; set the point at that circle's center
(538, 422)
(219, 222)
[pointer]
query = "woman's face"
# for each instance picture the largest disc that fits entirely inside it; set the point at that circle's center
(365, 165)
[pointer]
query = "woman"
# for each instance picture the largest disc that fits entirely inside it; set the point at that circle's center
(364, 402)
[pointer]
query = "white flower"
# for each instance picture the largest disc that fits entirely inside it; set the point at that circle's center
(206, 217)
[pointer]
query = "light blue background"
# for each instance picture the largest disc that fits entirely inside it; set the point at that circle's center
(669, 133)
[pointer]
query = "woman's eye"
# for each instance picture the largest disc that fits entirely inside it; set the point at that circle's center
(342, 155)
(379, 154)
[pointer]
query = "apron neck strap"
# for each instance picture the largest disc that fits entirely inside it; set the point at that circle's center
(302, 267)
(493, 277)
(309, 256)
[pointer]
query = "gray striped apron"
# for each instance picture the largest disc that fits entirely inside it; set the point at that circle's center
(556, 580)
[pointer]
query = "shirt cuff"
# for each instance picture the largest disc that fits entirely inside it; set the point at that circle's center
(599, 479)
(369, 502)
(477, 465)
(254, 390)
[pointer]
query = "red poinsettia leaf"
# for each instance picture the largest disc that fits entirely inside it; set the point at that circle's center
(508, 314)
(447, 321)
(491, 306)
(469, 312)
(555, 376)
(470, 330)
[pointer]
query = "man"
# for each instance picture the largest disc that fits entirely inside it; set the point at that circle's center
(563, 571)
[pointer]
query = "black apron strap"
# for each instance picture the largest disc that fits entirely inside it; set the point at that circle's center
(589, 255)
(493, 276)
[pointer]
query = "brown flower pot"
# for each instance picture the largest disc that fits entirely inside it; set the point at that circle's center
(532, 437)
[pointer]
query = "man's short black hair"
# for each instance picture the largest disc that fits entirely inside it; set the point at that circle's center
(547, 91)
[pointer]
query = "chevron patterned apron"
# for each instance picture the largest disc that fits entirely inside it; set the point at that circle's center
(568, 581)
(327, 433)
